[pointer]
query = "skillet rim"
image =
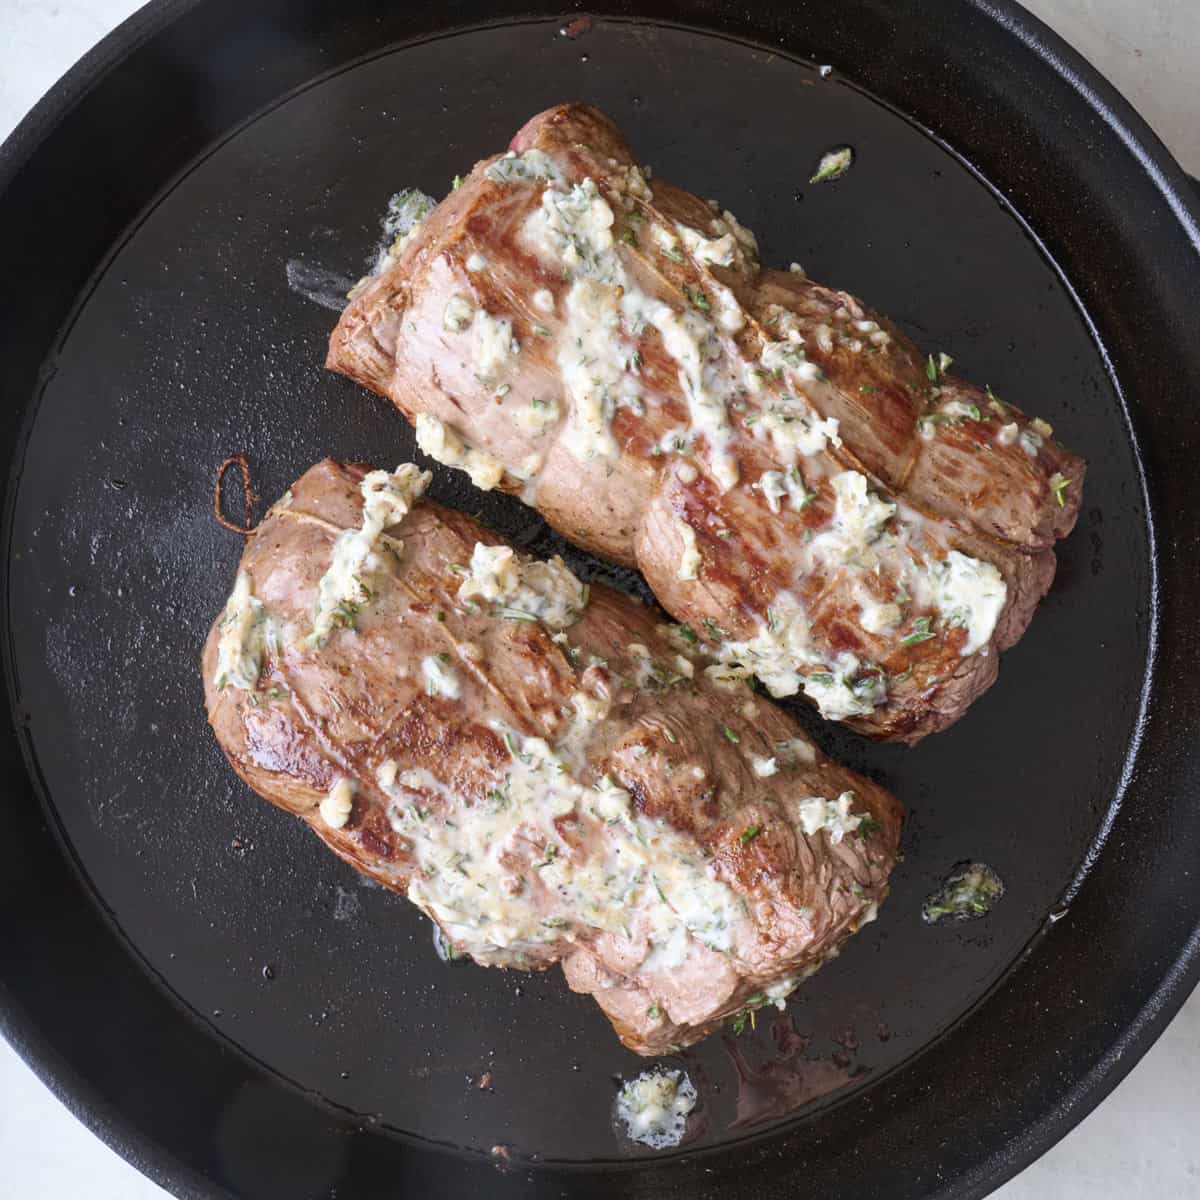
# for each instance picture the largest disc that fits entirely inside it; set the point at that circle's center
(109, 1122)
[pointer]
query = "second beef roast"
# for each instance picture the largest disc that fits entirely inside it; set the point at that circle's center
(543, 768)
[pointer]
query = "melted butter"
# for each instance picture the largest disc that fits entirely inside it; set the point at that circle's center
(545, 856)
(524, 589)
(521, 168)
(605, 309)
(440, 677)
(775, 485)
(336, 807)
(538, 416)
(714, 252)
(593, 358)
(778, 650)
(858, 522)
(495, 346)
(834, 817)
(443, 445)
(865, 534)
(969, 593)
(362, 556)
(406, 212)
(240, 644)
(458, 313)
(654, 1107)
(690, 560)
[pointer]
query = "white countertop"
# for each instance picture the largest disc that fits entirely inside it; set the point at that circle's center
(1141, 1142)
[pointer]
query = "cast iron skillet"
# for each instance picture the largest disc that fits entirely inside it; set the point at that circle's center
(230, 1007)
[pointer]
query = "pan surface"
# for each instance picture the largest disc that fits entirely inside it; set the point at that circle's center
(241, 1014)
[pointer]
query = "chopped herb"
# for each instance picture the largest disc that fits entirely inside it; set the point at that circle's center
(730, 736)
(868, 827)
(931, 370)
(510, 745)
(629, 236)
(920, 632)
(821, 679)
(739, 1023)
(540, 330)
(687, 633)
(515, 614)
(456, 183)
(698, 298)
(654, 1012)
(669, 735)
(748, 835)
(673, 253)
(833, 165)
(277, 693)
(867, 388)
(714, 630)
(969, 892)
(1058, 485)
(938, 418)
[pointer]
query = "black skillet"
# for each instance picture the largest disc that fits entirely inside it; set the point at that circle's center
(235, 1011)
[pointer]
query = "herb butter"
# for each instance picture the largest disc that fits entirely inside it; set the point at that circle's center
(361, 557)
(240, 644)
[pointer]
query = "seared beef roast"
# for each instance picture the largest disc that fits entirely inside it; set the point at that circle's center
(818, 501)
(546, 770)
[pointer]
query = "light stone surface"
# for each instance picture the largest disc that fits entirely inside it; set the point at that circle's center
(1141, 1142)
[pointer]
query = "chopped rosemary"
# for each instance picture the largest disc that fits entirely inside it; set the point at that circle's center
(1058, 485)
(730, 736)
(515, 614)
(749, 834)
(833, 165)
(698, 298)
(868, 827)
(920, 632)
